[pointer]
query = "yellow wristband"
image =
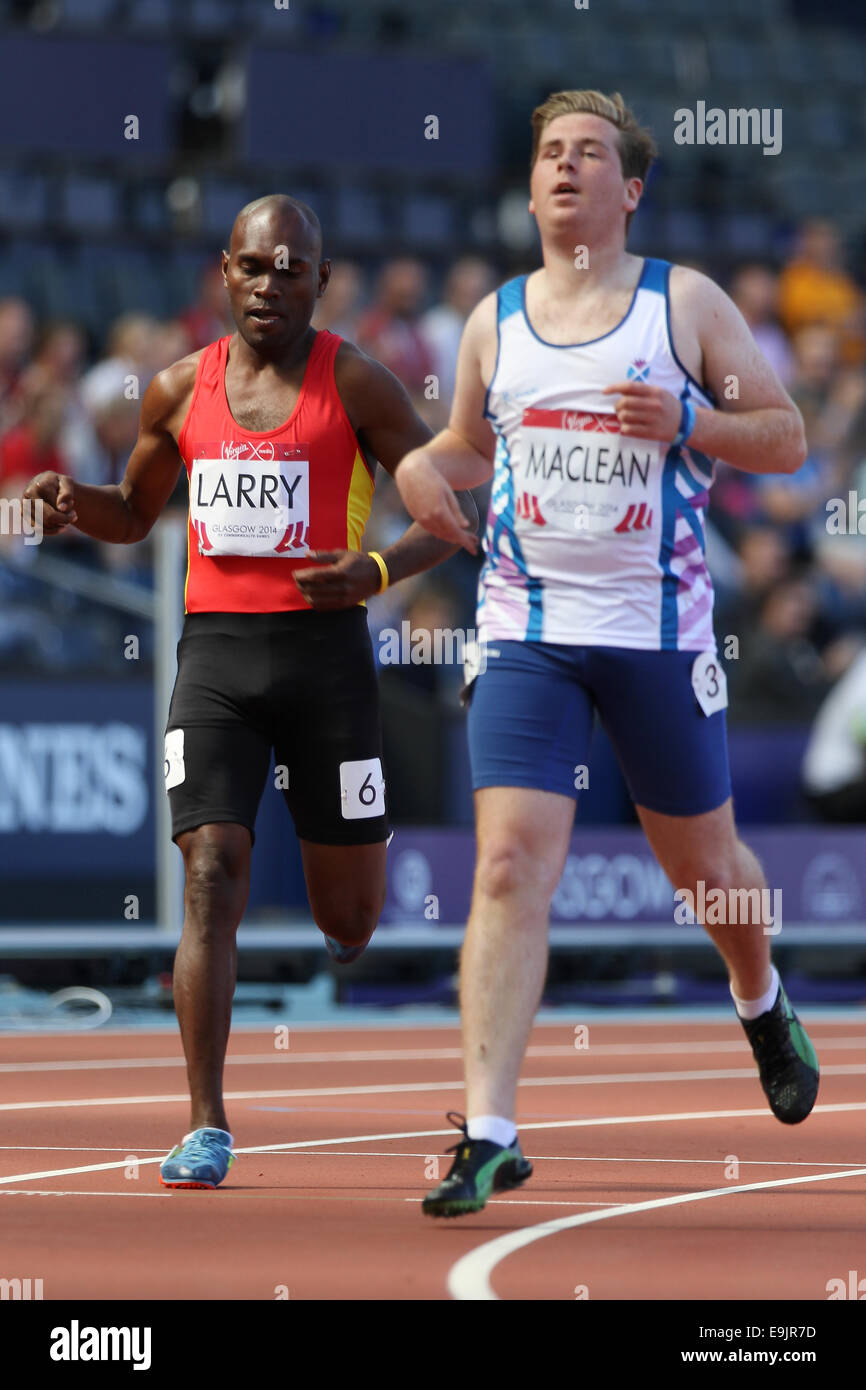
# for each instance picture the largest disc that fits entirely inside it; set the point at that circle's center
(383, 569)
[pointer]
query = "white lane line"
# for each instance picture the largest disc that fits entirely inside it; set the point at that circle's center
(646, 1077)
(258, 1149)
(73, 1149)
(439, 1054)
(453, 1084)
(469, 1278)
(272, 1197)
(83, 1168)
(677, 1048)
(596, 1121)
(668, 1117)
(575, 1158)
(713, 1162)
(75, 1192)
(648, 1021)
(133, 1153)
(306, 1092)
(527, 1202)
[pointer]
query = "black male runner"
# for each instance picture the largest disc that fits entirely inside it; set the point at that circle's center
(278, 426)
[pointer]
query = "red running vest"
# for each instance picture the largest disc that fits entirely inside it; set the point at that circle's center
(260, 499)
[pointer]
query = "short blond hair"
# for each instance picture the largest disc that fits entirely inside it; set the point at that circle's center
(636, 146)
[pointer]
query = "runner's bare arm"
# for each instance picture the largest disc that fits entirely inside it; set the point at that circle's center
(390, 428)
(124, 512)
(757, 427)
(461, 455)
(387, 428)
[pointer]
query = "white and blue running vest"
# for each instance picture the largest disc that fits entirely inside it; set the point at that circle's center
(593, 538)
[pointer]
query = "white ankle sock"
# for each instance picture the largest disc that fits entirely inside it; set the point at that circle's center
(753, 1008)
(494, 1128)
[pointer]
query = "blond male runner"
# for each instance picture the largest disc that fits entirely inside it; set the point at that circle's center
(593, 392)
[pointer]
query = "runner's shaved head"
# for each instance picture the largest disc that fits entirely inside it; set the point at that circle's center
(286, 220)
(274, 273)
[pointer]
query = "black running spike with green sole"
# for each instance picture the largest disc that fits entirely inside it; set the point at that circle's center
(787, 1062)
(480, 1168)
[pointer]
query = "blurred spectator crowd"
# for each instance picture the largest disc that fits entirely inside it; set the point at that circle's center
(788, 553)
(790, 582)
(72, 406)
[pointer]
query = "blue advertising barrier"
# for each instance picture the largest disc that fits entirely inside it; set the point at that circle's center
(77, 821)
(76, 777)
(612, 879)
(77, 836)
(78, 781)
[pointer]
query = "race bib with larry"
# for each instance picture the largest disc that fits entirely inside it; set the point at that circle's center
(251, 498)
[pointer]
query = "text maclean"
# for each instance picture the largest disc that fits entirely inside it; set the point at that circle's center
(587, 465)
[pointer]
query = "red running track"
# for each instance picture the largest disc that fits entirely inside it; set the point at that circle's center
(655, 1157)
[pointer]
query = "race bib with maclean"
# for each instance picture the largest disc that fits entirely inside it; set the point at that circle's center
(251, 498)
(577, 473)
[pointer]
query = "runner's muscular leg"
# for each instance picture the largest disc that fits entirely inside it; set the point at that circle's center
(522, 837)
(346, 888)
(708, 848)
(217, 867)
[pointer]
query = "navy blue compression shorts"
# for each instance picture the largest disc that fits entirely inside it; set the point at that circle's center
(531, 714)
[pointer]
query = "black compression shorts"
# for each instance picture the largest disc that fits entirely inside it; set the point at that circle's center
(302, 684)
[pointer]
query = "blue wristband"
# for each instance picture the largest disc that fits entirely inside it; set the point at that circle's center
(687, 423)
